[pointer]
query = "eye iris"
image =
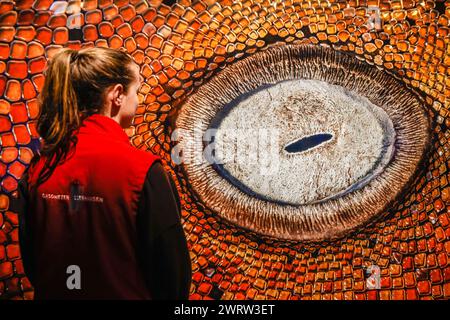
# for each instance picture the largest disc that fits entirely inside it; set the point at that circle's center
(399, 150)
(361, 148)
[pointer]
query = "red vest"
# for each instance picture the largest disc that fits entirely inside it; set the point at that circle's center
(85, 215)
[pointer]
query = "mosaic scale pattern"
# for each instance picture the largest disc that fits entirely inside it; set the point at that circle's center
(179, 47)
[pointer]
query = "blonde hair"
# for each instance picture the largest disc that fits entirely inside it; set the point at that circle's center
(74, 88)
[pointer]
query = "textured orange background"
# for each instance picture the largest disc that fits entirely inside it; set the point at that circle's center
(178, 47)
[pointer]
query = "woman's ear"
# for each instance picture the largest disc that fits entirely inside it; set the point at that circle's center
(113, 99)
(118, 94)
(115, 95)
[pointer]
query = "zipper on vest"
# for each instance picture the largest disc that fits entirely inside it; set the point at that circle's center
(75, 191)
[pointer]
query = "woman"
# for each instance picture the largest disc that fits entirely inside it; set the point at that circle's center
(99, 219)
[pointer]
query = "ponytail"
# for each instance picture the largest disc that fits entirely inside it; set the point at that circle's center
(75, 82)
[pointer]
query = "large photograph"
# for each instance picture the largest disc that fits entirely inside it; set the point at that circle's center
(224, 150)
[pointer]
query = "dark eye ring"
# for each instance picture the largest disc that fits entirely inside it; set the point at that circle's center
(331, 217)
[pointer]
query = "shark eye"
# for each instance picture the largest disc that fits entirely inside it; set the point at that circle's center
(301, 142)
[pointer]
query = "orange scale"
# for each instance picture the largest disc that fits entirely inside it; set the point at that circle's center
(17, 69)
(26, 33)
(38, 81)
(156, 66)
(105, 29)
(156, 41)
(33, 108)
(22, 134)
(41, 18)
(90, 4)
(102, 3)
(37, 65)
(146, 71)
(42, 4)
(12, 92)
(168, 48)
(175, 38)
(115, 42)
(5, 123)
(164, 98)
(137, 23)
(149, 14)
(8, 140)
(127, 12)
(94, 17)
(55, 21)
(130, 45)
(158, 90)
(28, 90)
(7, 34)
(2, 67)
(152, 53)
(162, 78)
(4, 107)
(9, 184)
(141, 40)
(158, 20)
(142, 128)
(17, 169)
(33, 130)
(164, 10)
(3, 169)
(124, 30)
(183, 75)
(9, 154)
(8, 19)
(177, 64)
(138, 56)
(60, 35)
(109, 12)
(26, 17)
(138, 120)
(18, 50)
(101, 43)
(174, 83)
(117, 21)
(74, 44)
(152, 81)
(177, 94)
(6, 7)
(170, 71)
(18, 112)
(121, 3)
(4, 51)
(90, 33)
(172, 19)
(44, 35)
(165, 60)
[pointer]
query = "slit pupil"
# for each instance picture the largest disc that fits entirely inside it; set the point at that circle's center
(307, 143)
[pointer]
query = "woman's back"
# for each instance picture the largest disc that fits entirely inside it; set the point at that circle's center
(99, 219)
(85, 215)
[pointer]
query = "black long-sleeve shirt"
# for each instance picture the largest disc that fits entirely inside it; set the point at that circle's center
(161, 247)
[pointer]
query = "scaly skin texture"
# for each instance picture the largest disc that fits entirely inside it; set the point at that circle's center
(181, 45)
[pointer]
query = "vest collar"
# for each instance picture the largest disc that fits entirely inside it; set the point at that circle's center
(100, 124)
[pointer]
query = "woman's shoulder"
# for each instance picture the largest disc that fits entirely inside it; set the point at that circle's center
(133, 157)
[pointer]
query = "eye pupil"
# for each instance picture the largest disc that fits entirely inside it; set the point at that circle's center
(307, 143)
